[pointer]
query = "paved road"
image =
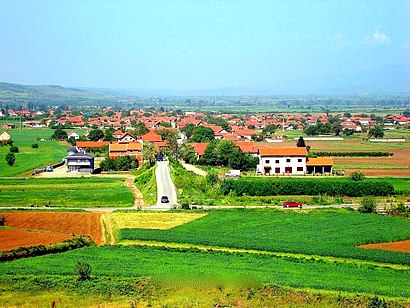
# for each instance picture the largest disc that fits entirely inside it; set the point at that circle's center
(165, 187)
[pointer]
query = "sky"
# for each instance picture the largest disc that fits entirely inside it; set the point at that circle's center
(192, 45)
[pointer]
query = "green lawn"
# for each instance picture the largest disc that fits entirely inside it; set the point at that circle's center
(28, 159)
(65, 192)
(192, 266)
(326, 233)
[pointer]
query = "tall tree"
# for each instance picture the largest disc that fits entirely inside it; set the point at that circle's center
(203, 134)
(149, 153)
(301, 143)
(376, 132)
(95, 135)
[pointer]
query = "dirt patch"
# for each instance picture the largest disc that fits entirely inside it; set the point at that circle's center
(13, 239)
(68, 223)
(380, 172)
(400, 246)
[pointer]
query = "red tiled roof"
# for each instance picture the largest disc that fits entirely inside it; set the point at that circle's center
(320, 161)
(282, 151)
(91, 144)
(199, 147)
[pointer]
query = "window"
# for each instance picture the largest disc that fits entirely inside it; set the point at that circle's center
(300, 168)
(277, 170)
(267, 161)
(288, 160)
(299, 160)
(277, 161)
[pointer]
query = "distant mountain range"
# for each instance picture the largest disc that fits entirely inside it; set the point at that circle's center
(392, 79)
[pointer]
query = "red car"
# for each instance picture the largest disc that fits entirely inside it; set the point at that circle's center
(292, 204)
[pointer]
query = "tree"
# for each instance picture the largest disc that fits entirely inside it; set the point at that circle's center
(187, 153)
(10, 159)
(225, 149)
(72, 140)
(149, 153)
(203, 134)
(34, 145)
(269, 129)
(95, 135)
(140, 129)
(107, 164)
(108, 134)
(188, 130)
(171, 140)
(210, 156)
(59, 134)
(376, 132)
(301, 143)
(357, 176)
(236, 158)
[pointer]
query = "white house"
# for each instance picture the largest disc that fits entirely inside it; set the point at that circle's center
(73, 134)
(281, 161)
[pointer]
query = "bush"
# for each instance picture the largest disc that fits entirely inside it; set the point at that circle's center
(367, 205)
(357, 176)
(2, 220)
(83, 270)
(34, 145)
(10, 159)
(14, 149)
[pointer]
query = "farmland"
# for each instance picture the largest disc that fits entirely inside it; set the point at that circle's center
(28, 158)
(65, 192)
(339, 233)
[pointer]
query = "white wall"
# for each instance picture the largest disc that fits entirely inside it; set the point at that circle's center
(282, 162)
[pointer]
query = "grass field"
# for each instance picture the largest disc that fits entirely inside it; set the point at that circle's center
(187, 266)
(27, 159)
(65, 192)
(326, 233)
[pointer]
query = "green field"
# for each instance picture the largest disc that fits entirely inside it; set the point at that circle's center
(65, 192)
(325, 233)
(48, 152)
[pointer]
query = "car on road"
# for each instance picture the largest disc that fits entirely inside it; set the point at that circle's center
(49, 169)
(292, 204)
(164, 199)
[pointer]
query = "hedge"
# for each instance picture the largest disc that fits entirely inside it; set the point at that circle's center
(352, 154)
(33, 251)
(293, 186)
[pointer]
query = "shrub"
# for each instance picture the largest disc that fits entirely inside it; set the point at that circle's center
(34, 145)
(357, 176)
(367, 205)
(10, 159)
(2, 220)
(83, 270)
(14, 149)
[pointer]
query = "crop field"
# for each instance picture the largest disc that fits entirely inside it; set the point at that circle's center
(402, 246)
(28, 159)
(12, 239)
(53, 226)
(189, 266)
(325, 233)
(161, 221)
(65, 192)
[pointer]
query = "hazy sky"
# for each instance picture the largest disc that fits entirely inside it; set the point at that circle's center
(197, 44)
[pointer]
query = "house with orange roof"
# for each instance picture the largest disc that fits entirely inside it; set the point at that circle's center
(126, 138)
(199, 148)
(151, 137)
(82, 145)
(282, 161)
(133, 149)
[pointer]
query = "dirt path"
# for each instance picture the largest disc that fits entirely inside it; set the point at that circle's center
(194, 169)
(107, 228)
(138, 198)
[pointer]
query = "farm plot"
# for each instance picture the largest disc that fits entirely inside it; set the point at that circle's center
(402, 246)
(185, 266)
(54, 224)
(325, 233)
(66, 192)
(27, 159)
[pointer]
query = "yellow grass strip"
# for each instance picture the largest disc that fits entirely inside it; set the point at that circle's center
(252, 251)
(162, 221)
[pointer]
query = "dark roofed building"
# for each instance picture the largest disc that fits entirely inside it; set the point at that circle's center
(78, 161)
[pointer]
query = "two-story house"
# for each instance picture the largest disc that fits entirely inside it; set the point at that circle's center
(281, 161)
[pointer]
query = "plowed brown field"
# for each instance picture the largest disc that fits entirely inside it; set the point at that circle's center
(401, 246)
(68, 224)
(13, 239)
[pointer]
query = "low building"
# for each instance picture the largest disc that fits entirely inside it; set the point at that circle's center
(79, 161)
(319, 165)
(4, 136)
(281, 161)
(132, 149)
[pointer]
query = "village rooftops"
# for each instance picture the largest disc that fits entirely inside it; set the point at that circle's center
(283, 151)
(320, 161)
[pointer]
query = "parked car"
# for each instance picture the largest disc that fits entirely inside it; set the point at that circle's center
(292, 204)
(233, 174)
(49, 169)
(164, 199)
